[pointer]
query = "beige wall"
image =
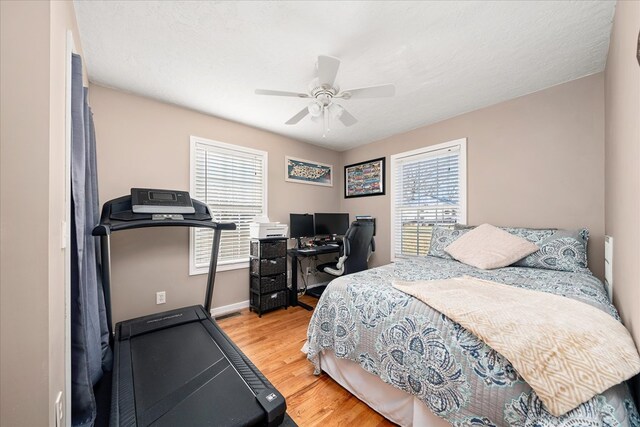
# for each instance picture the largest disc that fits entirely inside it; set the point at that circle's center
(622, 163)
(535, 161)
(32, 178)
(145, 143)
(25, 233)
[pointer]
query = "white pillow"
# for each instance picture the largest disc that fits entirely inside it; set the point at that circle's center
(489, 247)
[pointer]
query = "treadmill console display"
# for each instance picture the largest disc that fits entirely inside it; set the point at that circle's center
(154, 201)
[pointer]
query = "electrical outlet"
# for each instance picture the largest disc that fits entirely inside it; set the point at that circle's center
(59, 409)
(161, 297)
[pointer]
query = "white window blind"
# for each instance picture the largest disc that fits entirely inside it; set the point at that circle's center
(231, 180)
(429, 188)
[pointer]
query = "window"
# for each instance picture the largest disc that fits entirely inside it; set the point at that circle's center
(428, 187)
(232, 181)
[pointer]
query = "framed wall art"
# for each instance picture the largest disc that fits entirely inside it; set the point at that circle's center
(307, 172)
(364, 179)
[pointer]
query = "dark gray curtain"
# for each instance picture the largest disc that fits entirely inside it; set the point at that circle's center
(90, 352)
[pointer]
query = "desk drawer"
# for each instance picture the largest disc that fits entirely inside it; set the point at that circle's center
(268, 248)
(265, 267)
(269, 283)
(264, 302)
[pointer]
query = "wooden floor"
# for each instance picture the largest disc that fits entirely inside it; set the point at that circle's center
(273, 344)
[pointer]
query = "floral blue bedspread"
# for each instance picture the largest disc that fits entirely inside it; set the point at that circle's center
(411, 346)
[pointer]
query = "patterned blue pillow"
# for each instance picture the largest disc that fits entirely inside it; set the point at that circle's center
(441, 238)
(564, 250)
(534, 235)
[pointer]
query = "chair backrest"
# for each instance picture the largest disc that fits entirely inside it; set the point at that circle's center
(357, 243)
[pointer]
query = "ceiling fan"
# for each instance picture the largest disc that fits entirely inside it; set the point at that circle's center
(323, 93)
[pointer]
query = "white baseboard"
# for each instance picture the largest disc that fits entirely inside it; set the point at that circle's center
(226, 309)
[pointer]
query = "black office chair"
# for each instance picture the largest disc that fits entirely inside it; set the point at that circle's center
(357, 245)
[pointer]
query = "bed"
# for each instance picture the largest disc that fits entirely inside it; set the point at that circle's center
(417, 367)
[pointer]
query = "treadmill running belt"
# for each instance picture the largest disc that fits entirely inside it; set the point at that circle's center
(179, 368)
(180, 372)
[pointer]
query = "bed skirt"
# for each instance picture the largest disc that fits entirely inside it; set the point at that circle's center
(392, 403)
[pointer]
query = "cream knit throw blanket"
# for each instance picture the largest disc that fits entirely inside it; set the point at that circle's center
(566, 350)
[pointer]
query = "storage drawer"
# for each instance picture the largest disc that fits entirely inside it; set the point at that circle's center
(264, 302)
(266, 267)
(269, 283)
(269, 248)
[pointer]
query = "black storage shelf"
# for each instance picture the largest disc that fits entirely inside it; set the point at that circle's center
(268, 274)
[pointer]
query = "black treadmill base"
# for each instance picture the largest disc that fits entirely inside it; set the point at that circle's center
(180, 368)
(102, 393)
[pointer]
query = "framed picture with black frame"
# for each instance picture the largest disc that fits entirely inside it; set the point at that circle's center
(364, 179)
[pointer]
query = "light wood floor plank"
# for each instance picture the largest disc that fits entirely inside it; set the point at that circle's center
(273, 344)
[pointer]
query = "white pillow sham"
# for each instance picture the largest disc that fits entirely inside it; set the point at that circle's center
(488, 247)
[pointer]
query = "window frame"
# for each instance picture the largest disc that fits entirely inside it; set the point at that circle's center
(193, 141)
(462, 167)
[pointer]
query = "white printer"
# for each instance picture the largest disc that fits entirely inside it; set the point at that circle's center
(262, 228)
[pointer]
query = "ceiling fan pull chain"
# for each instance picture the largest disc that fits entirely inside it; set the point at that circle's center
(326, 120)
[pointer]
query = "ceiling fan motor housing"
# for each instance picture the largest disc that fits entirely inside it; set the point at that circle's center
(322, 93)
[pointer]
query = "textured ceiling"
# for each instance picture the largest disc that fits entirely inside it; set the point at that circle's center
(445, 58)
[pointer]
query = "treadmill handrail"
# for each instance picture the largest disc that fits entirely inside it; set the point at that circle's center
(121, 206)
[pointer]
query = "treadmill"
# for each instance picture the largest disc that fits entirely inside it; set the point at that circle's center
(178, 368)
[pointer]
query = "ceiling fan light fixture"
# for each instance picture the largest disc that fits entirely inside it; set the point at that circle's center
(315, 109)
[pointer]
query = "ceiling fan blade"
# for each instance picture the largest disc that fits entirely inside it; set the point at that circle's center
(369, 92)
(295, 119)
(327, 69)
(280, 93)
(347, 118)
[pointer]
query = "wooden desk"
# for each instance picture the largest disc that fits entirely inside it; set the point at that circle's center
(294, 254)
